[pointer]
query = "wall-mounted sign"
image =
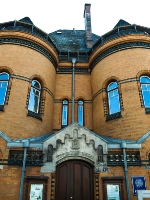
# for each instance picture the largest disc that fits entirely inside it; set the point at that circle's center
(36, 192)
(113, 192)
(138, 183)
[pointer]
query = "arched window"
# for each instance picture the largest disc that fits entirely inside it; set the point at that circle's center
(113, 98)
(80, 112)
(64, 113)
(34, 98)
(4, 79)
(145, 86)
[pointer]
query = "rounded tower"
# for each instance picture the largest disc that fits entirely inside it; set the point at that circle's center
(27, 76)
(120, 81)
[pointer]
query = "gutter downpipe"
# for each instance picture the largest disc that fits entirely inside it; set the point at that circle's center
(25, 145)
(73, 69)
(123, 146)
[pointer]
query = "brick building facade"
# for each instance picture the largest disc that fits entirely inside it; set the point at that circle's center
(74, 112)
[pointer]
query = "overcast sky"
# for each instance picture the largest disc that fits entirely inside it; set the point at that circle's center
(51, 15)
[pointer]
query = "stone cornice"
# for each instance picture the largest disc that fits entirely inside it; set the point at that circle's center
(115, 45)
(30, 41)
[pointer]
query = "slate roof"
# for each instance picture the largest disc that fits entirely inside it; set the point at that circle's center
(38, 139)
(71, 40)
(41, 139)
(26, 20)
(121, 22)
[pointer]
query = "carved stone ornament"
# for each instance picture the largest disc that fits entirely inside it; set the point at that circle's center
(74, 142)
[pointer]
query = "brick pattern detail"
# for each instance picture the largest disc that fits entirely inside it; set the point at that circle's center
(96, 186)
(141, 97)
(105, 104)
(53, 186)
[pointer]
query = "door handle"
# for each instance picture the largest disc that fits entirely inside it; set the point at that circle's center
(71, 197)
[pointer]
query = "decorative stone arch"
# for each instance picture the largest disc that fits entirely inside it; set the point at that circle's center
(38, 78)
(76, 143)
(65, 98)
(80, 98)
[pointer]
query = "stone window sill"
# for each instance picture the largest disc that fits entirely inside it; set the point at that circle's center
(147, 110)
(34, 115)
(113, 116)
(1, 107)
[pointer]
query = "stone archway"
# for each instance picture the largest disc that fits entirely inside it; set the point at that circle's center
(75, 143)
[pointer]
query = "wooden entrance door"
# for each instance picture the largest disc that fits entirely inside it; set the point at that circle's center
(74, 181)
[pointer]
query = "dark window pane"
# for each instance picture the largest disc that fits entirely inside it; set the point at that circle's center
(145, 79)
(112, 85)
(4, 84)
(146, 98)
(114, 105)
(65, 102)
(36, 84)
(80, 115)
(33, 103)
(113, 98)
(3, 90)
(64, 114)
(2, 95)
(148, 87)
(34, 99)
(143, 87)
(4, 76)
(110, 94)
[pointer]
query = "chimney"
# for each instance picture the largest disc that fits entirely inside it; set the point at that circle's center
(88, 30)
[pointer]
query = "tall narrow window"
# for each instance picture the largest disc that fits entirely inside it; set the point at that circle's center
(113, 98)
(145, 86)
(80, 112)
(34, 99)
(65, 113)
(50, 153)
(4, 79)
(100, 153)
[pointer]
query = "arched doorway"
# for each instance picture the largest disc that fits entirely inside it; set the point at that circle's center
(74, 180)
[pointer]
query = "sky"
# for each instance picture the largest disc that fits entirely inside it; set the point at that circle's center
(52, 15)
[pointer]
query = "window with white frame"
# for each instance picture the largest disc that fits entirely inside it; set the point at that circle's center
(113, 98)
(145, 87)
(64, 113)
(80, 112)
(34, 98)
(4, 79)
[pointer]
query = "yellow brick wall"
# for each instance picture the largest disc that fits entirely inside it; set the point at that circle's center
(123, 65)
(27, 63)
(63, 90)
